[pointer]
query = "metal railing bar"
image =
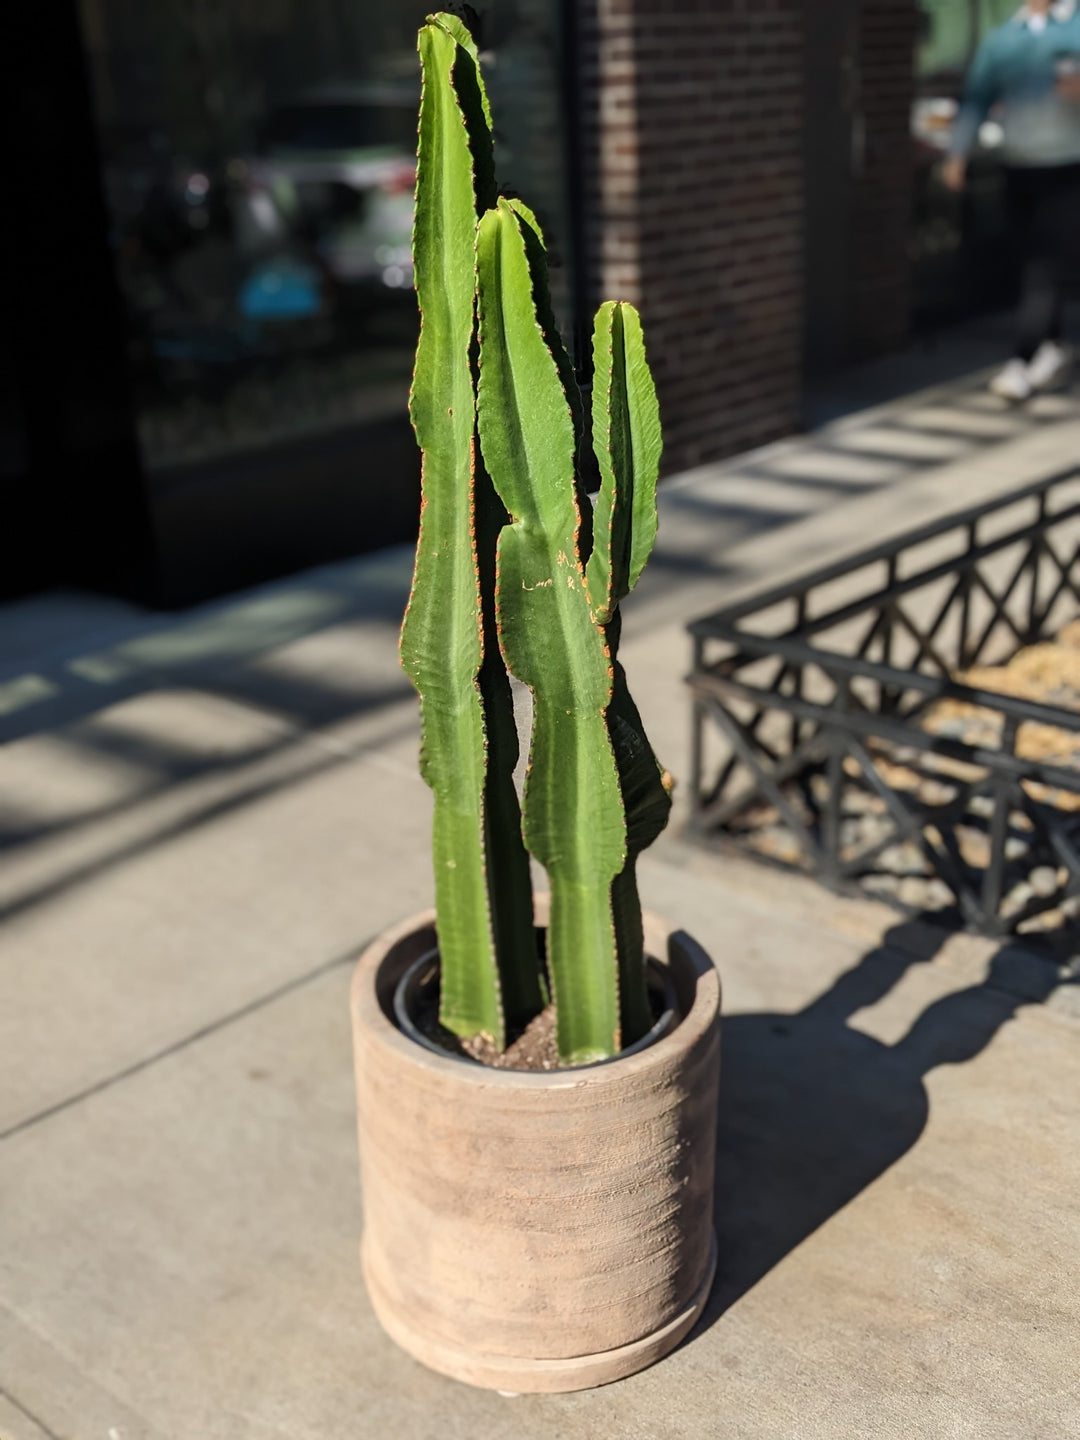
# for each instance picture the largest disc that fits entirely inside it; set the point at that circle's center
(907, 541)
(935, 687)
(738, 740)
(882, 726)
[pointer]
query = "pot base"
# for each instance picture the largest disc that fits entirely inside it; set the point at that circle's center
(524, 1376)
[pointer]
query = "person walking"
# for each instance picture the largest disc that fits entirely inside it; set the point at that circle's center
(1030, 68)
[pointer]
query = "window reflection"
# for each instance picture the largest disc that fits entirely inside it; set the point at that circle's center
(259, 172)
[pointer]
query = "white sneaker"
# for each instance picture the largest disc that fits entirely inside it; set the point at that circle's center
(1048, 366)
(1012, 383)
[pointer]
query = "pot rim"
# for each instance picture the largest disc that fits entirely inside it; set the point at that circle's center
(410, 982)
(373, 1017)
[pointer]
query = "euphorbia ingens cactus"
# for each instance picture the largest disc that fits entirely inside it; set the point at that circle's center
(508, 577)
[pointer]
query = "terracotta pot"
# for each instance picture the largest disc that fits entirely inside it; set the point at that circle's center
(537, 1231)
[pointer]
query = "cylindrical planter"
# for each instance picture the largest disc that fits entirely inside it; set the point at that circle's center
(537, 1231)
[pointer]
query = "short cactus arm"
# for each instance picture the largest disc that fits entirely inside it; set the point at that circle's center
(442, 642)
(573, 812)
(627, 441)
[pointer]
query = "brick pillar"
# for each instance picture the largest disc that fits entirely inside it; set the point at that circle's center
(693, 190)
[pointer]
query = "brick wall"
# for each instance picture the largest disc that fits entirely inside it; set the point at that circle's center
(693, 175)
(881, 220)
(693, 192)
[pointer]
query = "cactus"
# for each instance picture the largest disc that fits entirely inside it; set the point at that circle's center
(627, 442)
(509, 570)
(489, 971)
(573, 813)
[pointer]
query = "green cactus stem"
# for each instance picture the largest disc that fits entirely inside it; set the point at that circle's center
(508, 575)
(627, 442)
(573, 812)
(489, 973)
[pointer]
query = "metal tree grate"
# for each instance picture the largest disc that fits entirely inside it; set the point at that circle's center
(831, 730)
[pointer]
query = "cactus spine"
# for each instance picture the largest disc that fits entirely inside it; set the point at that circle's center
(507, 571)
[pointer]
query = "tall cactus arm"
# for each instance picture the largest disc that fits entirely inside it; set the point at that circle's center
(537, 256)
(442, 635)
(573, 814)
(468, 84)
(628, 443)
(536, 253)
(509, 881)
(459, 32)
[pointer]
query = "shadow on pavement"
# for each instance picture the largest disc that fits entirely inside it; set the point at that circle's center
(812, 1111)
(122, 730)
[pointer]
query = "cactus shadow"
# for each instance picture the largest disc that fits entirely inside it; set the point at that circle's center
(812, 1110)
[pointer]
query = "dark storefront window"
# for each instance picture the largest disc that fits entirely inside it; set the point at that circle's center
(258, 166)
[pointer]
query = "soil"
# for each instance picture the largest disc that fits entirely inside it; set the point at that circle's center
(535, 1048)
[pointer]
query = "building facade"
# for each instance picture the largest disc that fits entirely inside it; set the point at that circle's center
(739, 169)
(748, 184)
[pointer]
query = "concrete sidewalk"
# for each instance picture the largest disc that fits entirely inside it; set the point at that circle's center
(206, 816)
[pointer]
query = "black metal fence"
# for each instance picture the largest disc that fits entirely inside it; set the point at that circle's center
(837, 726)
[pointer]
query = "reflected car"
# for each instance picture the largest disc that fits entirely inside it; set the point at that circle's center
(335, 166)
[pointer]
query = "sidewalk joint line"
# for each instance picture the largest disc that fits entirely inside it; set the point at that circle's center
(297, 983)
(34, 1419)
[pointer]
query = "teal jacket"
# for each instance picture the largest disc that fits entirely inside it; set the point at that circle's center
(1016, 67)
